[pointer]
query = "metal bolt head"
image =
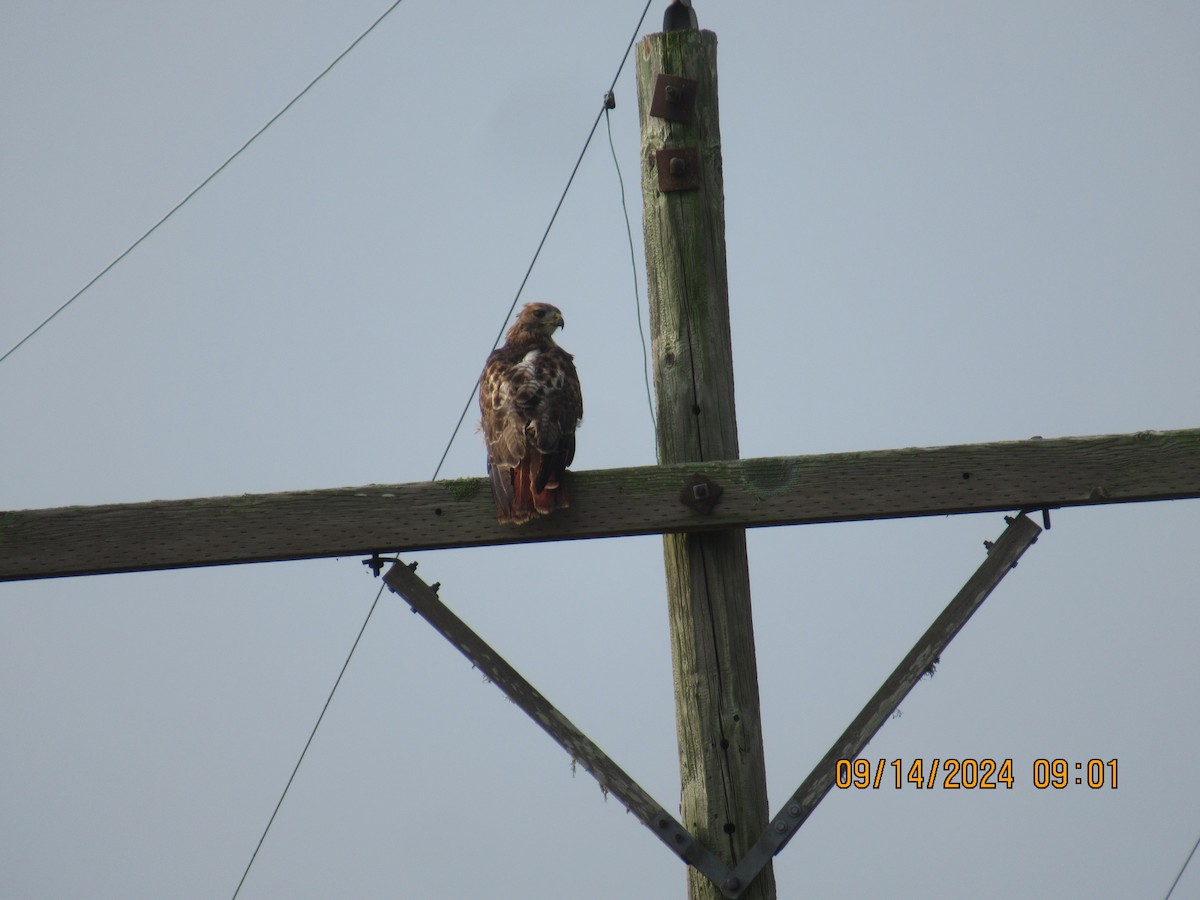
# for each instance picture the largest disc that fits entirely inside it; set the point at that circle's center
(781, 827)
(701, 494)
(794, 809)
(672, 93)
(678, 166)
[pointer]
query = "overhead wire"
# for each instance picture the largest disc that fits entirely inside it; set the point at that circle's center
(153, 228)
(307, 744)
(194, 191)
(545, 234)
(461, 418)
(1182, 869)
(637, 295)
(528, 271)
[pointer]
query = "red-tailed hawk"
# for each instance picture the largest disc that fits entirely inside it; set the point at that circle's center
(530, 401)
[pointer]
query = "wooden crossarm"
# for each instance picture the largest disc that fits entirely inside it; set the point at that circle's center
(794, 490)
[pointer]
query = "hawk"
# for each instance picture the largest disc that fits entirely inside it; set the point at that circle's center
(530, 403)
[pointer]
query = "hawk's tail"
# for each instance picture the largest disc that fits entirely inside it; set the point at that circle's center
(527, 501)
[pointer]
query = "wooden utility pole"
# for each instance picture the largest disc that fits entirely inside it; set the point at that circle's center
(722, 772)
(724, 837)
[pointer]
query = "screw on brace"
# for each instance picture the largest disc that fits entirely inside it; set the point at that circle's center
(701, 494)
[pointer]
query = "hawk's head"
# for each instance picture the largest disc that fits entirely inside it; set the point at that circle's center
(540, 318)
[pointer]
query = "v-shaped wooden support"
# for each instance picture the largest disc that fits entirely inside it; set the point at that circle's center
(1020, 534)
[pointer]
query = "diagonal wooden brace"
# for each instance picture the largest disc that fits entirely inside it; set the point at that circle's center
(402, 580)
(1020, 534)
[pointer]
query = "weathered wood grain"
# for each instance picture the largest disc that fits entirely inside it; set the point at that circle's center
(723, 784)
(795, 490)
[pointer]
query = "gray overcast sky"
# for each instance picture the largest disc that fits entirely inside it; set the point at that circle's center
(947, 223)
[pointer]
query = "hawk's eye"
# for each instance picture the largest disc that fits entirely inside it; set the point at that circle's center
(539, 313)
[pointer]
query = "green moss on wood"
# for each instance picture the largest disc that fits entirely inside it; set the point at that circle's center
(770, 477)
(462, 489)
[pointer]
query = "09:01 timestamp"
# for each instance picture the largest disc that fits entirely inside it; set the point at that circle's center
(972, 774)
(1061, 773)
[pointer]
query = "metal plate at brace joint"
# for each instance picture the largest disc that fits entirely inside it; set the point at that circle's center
(678, 169)
(674, 98)
(701, 494)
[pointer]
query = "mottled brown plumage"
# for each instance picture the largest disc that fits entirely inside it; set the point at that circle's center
(530, 404)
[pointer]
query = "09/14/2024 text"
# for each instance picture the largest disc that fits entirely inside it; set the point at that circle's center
(973, 774)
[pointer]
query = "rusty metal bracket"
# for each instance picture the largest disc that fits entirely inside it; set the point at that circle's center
(678, 169)
(674, 98)
(701, 494)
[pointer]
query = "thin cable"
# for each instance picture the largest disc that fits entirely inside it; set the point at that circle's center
(217, 171)
(308, 743)
(1185, 865)
(637, 295)
(545, 234)
(513, 306)
(629, 46)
